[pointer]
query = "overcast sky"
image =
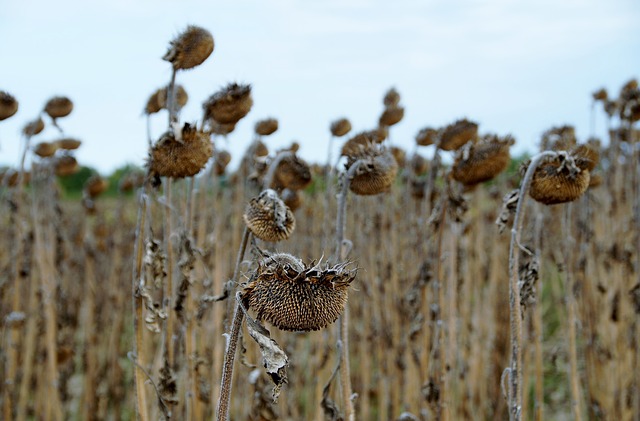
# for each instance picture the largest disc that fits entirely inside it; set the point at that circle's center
(515, 67)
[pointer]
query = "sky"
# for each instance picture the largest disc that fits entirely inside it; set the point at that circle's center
(515, 67)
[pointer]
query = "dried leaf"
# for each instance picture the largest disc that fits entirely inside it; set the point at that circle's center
(509, 205)
(274, 359)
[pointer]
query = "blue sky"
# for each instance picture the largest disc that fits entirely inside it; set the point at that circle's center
(516, 67)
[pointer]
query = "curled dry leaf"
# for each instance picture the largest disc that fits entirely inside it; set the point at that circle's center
(274, 359)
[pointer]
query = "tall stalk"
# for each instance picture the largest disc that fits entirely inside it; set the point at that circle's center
(572, 317)
(515, 312)
(138, 283)
(222, 413)
(343, 325)
(16, 303)
(537, 329)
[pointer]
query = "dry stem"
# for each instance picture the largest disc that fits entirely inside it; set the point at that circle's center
(515, 312)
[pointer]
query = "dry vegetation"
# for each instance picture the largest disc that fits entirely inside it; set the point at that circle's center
(448, 295)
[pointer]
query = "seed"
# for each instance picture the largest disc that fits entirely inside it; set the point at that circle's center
(190, 49)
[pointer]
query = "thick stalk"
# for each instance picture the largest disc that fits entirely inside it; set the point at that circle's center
(91, 337)
(572, 315)
(452, 299)
(227, 367)
(515, 312)
(230, 353)
(537, 329)
(16, 302)
(138, 320)
(28, 352)
(168, 293)
(345, 374)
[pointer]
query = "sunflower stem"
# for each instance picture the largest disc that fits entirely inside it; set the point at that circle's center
(343, 326)
(515, 312)
(232, 344)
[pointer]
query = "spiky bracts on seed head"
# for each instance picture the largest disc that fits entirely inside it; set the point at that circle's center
(354, 145)
(340, 127)
(455, 135)
(190, 48)
(182, 156)
(481, 161)
(426, 136)
(586, 156)
(58, 106)
(297, 297)
(268, 218)
(8, 105)
(229, 105)
(559, 180)
(158, 100)
(377, 169)
(33, 127)
(292, 172)
(266, 127)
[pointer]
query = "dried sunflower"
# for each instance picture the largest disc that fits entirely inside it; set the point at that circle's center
(268, 218)
(297, 297)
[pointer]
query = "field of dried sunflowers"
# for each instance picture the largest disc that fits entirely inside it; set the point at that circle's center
(381, 284)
